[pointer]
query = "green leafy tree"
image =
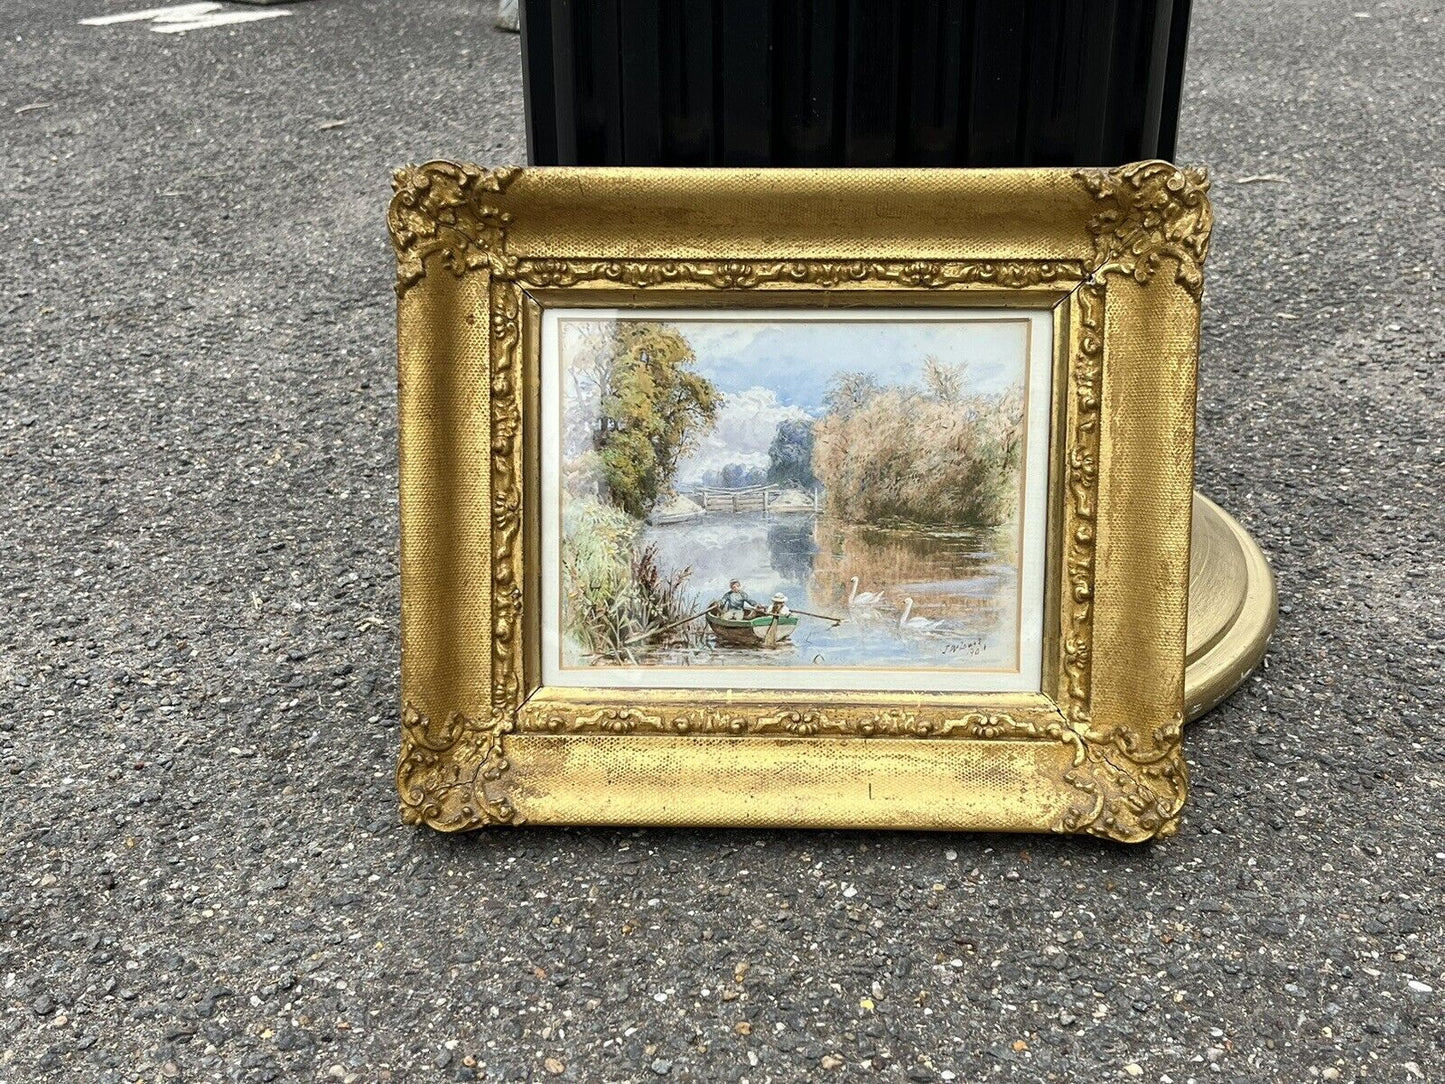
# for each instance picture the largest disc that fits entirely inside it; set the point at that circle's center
(653, 408)
(737, 476)
(790, 456)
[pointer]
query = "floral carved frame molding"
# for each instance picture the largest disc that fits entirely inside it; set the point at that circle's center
(1117, 256)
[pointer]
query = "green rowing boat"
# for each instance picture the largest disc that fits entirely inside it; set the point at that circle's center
(765, 630)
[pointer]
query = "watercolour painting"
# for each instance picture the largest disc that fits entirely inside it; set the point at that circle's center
(795, 499)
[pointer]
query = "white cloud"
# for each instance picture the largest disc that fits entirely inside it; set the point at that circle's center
(719, 341)
(745, 425)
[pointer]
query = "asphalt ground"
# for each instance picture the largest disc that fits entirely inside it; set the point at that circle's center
(204, 877)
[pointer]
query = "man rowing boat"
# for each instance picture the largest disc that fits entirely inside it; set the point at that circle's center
(739, 620)
(736, 604)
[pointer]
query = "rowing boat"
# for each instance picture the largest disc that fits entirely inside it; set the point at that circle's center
(765, 630)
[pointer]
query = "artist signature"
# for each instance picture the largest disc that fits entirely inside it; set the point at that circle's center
(974, 646)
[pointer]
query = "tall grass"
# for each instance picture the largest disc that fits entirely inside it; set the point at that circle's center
(614, 589)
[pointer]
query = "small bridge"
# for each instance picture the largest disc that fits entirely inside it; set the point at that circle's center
(765, 498)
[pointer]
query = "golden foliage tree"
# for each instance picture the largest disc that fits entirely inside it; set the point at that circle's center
(655, 407)
(929, 455)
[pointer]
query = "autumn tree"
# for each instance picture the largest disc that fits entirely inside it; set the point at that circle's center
(653, 407)
(944, 383)
(930, 454)
(849, 392)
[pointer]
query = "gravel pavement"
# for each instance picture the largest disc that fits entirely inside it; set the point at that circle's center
(202, 873)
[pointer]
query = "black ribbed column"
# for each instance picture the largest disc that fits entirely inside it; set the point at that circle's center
(852, 82)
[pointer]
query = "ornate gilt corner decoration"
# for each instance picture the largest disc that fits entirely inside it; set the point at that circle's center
(1126, 794)
(453, 211)
(1133, 790)
(445, 769)
(1153, 211)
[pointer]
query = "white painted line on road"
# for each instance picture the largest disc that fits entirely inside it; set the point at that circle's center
(180, 18)
(223, 19)
(183, 11)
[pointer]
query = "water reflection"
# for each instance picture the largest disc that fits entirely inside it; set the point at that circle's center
(925, 597)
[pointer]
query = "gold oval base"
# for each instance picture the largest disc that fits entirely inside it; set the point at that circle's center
(1232, 607)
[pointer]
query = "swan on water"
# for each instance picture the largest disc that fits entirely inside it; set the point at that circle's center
(919, 624)
(867, 598)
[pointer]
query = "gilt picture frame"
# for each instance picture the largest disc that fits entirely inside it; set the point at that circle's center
(961, 604)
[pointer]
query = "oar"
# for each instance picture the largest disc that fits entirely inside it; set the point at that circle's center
(664, 628)
(825, 617)
(772, 638)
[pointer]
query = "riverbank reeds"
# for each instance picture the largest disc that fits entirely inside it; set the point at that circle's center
(614, 589)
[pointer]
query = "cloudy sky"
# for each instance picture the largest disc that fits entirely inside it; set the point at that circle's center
(797, 358)
(778, 368)
(745, 427)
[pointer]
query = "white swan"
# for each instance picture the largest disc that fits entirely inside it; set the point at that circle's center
(918, 624)
(867, 598)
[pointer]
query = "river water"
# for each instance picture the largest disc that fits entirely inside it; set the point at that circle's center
(963, 584)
